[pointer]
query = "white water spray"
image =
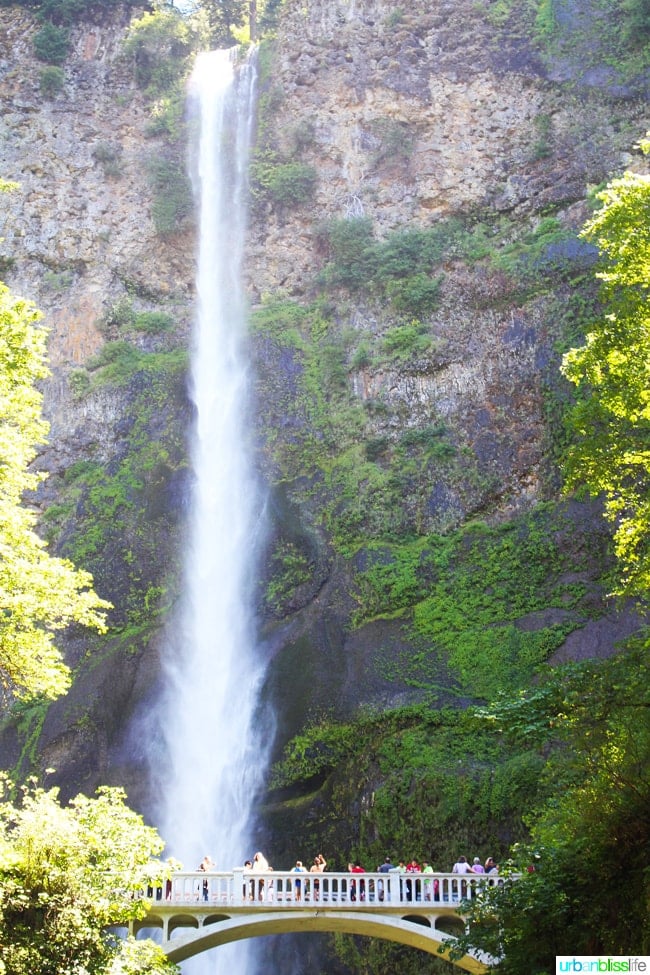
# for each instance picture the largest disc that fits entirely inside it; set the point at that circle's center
(215, 757)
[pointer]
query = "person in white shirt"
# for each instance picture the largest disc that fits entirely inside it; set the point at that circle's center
(260, 865)
(462, 866)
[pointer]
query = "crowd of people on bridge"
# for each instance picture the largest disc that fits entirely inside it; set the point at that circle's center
(260, 865)
(260, 886)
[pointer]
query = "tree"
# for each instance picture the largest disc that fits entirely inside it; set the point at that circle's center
(39, 593)
(611, 419)
(66, 875)
(590, 837)
(51, 43)
(225, 15)
(269, 15)
(161, 43)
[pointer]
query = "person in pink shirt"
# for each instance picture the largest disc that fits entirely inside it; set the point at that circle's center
(411, 867)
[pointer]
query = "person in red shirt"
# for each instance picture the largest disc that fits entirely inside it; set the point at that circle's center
(357, 868)
(411, 867)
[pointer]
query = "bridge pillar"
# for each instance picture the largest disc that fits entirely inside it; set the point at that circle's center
(239, 886)
(393, 886)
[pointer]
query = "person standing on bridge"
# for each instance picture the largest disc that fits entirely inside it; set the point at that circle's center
(260, 865)
(411, 887)
(206, 864)
(248, 865)
(298, 883)
(429, 886)
(270, 887)
(462, 867)
(172, 865)
(401, 869)
(357, 868)
(318, 866)
(384, 868)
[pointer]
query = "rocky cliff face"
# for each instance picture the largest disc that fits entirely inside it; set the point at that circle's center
(78, 231)
(410, 118)
(394, 407)
(79, 240)
(417, 117)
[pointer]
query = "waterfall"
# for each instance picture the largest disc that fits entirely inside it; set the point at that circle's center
(214, 756)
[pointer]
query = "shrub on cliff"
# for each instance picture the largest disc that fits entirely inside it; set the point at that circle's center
(51, 44)
(51, 81)
(286, 184)
(397, 269)
(173, 204)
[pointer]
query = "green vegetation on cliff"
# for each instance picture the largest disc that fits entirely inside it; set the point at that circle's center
(411, 782)
(125, 509)
(375, 471)
(489, 604)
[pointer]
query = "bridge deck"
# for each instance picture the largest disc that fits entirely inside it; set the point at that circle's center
(283, 890)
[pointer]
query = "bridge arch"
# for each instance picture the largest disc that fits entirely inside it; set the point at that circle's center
(414, 931)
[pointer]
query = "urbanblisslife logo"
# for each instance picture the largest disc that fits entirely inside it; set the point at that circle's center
(602, 963)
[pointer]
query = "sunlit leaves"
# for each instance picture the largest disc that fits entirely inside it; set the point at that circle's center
(39, 593)
(66, 874)
(611, 420)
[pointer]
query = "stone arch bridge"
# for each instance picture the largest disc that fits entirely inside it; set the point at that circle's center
(194, 912)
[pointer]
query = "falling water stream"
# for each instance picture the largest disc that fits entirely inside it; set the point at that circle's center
(215, 757)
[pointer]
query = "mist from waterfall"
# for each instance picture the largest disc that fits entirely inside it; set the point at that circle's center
(214, 753)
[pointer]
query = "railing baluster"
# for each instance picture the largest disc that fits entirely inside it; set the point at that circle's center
(282, 890)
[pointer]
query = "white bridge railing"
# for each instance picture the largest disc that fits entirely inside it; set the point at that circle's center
(287, 889)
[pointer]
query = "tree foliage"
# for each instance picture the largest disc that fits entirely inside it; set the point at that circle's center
(612, 370)
(636, 25)
(591, 836)
(51, 43)
(66, 875)
(162, 43)
(39, 593)
(225, 15)
(69, 12)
